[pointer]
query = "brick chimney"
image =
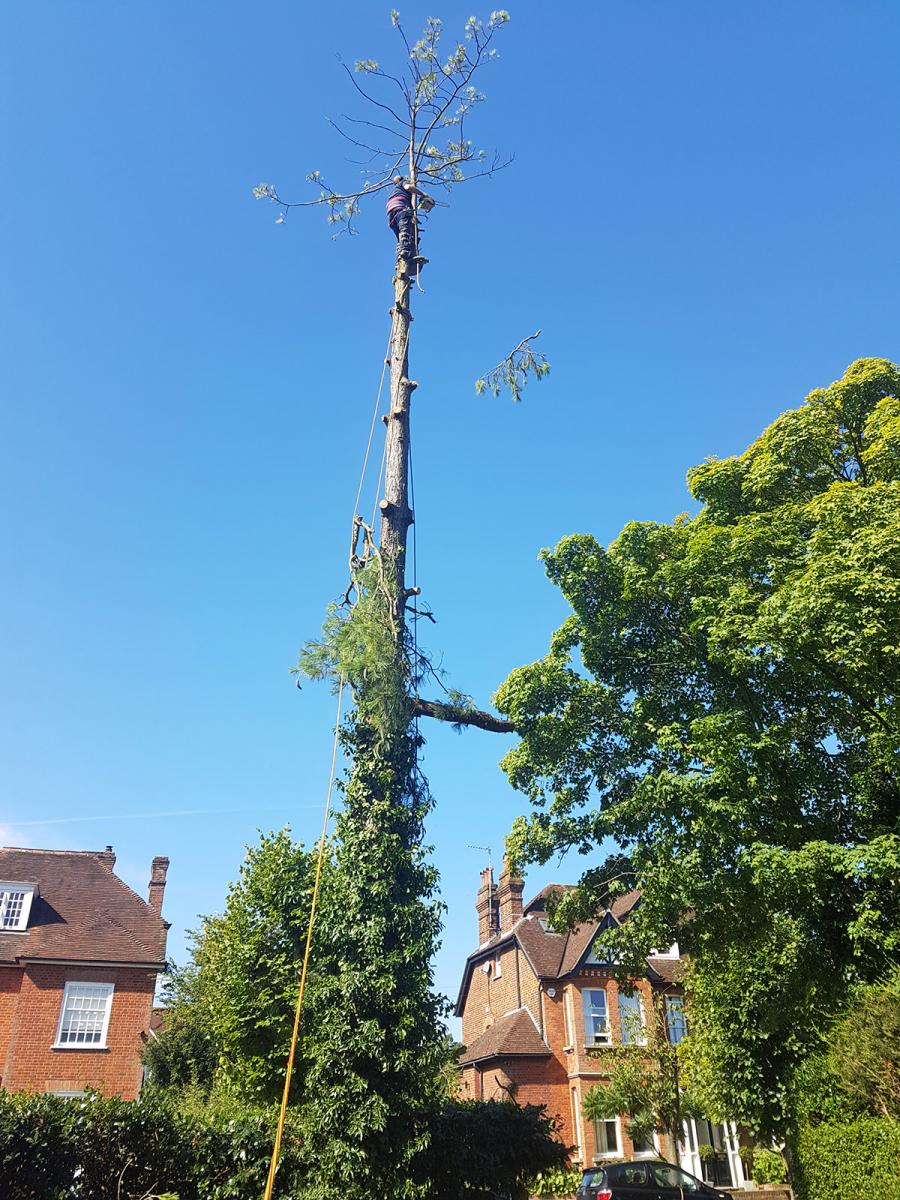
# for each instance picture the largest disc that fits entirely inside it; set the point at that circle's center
(158, 869)
(107, 856)
(509, 897)
(486, 907)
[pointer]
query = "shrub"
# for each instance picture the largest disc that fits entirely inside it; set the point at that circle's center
(489, 1144)
(109, 1149)
(556, 1182)
(858, 1159)
(769, 1167)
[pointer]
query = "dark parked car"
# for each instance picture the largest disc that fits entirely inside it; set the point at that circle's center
(653, 1180)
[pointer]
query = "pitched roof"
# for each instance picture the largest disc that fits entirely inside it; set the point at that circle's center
(513, 1034)
(82, 911)
(551, 955)
(669, 969)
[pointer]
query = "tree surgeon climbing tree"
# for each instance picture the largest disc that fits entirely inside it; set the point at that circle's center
(377, 1073)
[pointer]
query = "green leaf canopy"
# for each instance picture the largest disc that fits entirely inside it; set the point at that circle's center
(722, 702)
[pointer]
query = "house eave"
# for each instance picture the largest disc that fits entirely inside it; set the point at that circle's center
(104, 963)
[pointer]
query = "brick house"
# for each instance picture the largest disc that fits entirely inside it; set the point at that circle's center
(535, 1003)
(79, 957)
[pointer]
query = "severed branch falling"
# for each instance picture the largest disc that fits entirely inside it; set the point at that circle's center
(513, 371)
(460, 715)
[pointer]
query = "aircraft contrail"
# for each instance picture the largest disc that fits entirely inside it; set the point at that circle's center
(180, 812)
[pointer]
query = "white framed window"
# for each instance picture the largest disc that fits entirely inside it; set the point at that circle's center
(596, 1017)
(15, 906)
(631, 1019)
(606, 1138)
(84, 1017)
(570, 1023)
(644, 1145)
(676, 1025)
(498, 967)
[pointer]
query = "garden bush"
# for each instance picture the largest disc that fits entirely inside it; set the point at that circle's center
(858, 1160)
(768, 1166)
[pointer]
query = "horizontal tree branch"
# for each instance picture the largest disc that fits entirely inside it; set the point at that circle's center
(457, 715)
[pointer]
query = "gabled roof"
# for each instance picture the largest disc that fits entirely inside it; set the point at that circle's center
(82, 911)
(512, 1035)
(550, 954)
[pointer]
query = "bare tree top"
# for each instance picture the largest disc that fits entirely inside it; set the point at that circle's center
(416, 123)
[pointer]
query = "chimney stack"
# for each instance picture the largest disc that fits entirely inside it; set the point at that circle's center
(509, 897)
(486, 907)
(158, 869)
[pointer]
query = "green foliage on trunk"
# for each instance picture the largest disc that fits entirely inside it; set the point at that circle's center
(722, 703)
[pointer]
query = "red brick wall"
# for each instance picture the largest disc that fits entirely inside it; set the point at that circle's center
(547, 1081)
(30, 1063)
(10, 982)
(489, 997)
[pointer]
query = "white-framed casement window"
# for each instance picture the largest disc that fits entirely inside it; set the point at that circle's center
(15, 906)
(644, 1145)
(676, 1025)
(596, 1017)
(607, 1143)
(84, 1017)
(631, 1018)
(498, 967)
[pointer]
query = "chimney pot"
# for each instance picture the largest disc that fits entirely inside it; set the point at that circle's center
(158, 869)
(107, 855)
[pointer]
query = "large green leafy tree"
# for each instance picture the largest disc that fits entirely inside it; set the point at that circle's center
(229, 1011)
(722, 703)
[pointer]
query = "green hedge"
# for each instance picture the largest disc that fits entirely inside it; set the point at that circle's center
(108, 1149)
(852, 1160)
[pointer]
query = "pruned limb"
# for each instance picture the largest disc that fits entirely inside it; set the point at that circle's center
(513, 371)
(458, 715)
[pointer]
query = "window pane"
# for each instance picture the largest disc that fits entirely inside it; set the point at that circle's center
(13, 903)
(596, 1025)
(643, 1143)
(671, 1177)
(606, 1135)
(630, 1016)
(676, 1026)
(84, 1014)
(632, 1175)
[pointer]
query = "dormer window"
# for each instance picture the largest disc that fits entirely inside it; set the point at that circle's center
(15, 906)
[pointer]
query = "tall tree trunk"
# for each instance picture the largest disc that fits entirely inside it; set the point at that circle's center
(396, 515)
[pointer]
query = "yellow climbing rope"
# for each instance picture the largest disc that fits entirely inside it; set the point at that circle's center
(279, 1131)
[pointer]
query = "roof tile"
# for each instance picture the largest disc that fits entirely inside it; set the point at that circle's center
(514, 1034)
(83, 911)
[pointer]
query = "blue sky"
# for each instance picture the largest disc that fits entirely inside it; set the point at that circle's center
(701, 216)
